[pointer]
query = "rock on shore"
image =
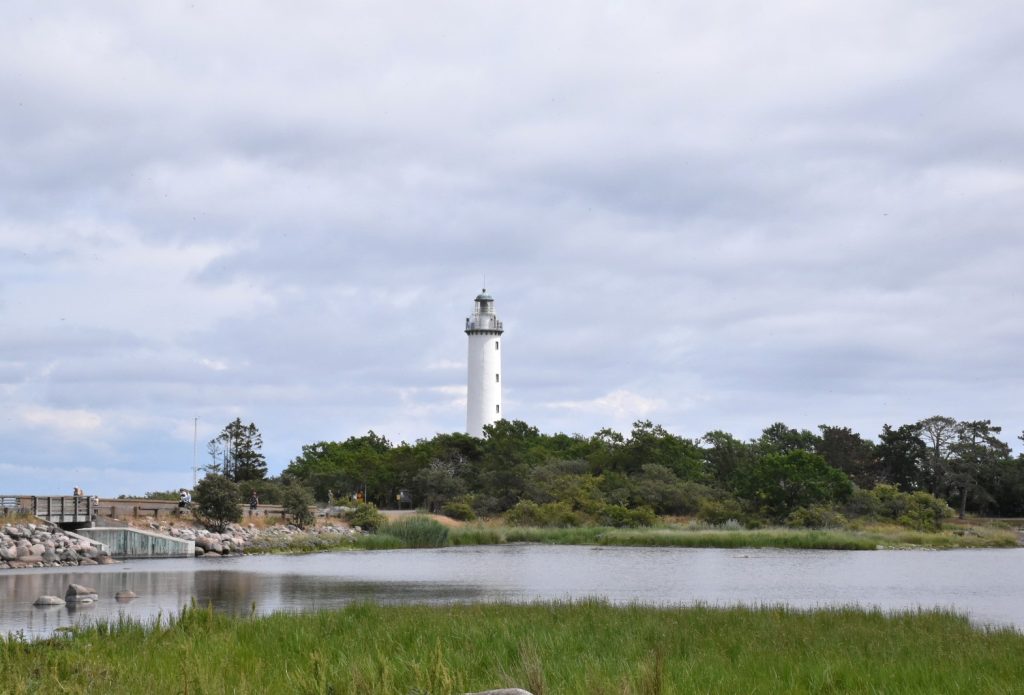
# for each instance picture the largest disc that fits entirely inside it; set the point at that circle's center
(237, 537)
(46, 545)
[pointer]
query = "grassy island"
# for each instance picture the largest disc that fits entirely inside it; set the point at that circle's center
(422, 531)
(551, 649)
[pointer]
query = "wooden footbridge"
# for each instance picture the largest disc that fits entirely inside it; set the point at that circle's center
(75, 509)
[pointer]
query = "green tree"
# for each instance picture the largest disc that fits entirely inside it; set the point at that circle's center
(778, 438)
(938, 433)
(974, 456)
(724, 455)
(846, 450)
(217, 501)
(777, 484)
(901, 456)
(235, 452)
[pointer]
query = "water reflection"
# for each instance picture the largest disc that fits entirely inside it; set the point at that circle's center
(981, 583)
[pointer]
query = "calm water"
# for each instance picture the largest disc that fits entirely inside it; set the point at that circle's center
(984, 584)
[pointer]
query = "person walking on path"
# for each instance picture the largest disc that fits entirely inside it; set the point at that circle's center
(253, 503)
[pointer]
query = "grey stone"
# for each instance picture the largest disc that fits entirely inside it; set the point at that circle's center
(49, 555)
(38, 549)
(199, 551)
(106, 560)
(87, 561)
(125, 595)
(77, 593)
(9, 552)
(49, 601)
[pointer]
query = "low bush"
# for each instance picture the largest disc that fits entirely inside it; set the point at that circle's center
(459, 510)
(623, 517)
(718, 512)
(297, 501)
(816, 516)
(366, 516)
(559, 514)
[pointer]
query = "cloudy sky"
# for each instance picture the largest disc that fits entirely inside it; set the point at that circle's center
(710, 215)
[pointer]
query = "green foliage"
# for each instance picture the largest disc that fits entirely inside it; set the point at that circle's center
(217, 501)
(296, 501)
(460, 511)
(779, 483)
(918, 510)
(163, 495)
(416, 531)
(623, 517)
(366, 516)
(925, 512)
(718, 512)
(269, 491)
(785, 469)
(528, 513)
(236, 454)
(816, 516)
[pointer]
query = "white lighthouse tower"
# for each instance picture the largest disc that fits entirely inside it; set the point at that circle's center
(483, 402)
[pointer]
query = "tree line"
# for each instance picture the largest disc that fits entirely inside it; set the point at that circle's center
(785, 474)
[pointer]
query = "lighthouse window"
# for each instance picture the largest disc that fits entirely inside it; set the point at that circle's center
(495, 344)
(497, 378)
(497, 408)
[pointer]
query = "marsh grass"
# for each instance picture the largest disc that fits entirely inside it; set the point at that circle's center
(416, 531)
(703, 536)
(420, 531)
(550, 649)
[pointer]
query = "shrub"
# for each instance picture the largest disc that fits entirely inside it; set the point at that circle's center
(366, 516)
(416, 531)
(217, 501)
(460, 511)
(527, 513)
(296, 501)
(718, 512)
(624, 517)
(925, 512)
(816, 516)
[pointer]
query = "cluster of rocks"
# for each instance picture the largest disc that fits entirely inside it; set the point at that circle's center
(46, 545)
(237, 537)
(79, 594)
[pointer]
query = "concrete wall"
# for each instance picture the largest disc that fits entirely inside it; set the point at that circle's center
(126, 543)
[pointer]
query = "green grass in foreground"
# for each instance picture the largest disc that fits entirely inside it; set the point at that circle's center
(550, 649)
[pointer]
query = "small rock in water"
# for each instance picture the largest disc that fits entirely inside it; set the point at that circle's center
(49, 601)
(125, 595)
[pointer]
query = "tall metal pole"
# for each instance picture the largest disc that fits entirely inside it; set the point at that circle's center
(195, 432)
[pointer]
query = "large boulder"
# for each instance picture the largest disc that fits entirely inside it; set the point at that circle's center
(8, 552)
(49, 601)
(77, 593)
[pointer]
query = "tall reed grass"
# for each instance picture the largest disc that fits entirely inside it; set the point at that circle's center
(550, 649)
